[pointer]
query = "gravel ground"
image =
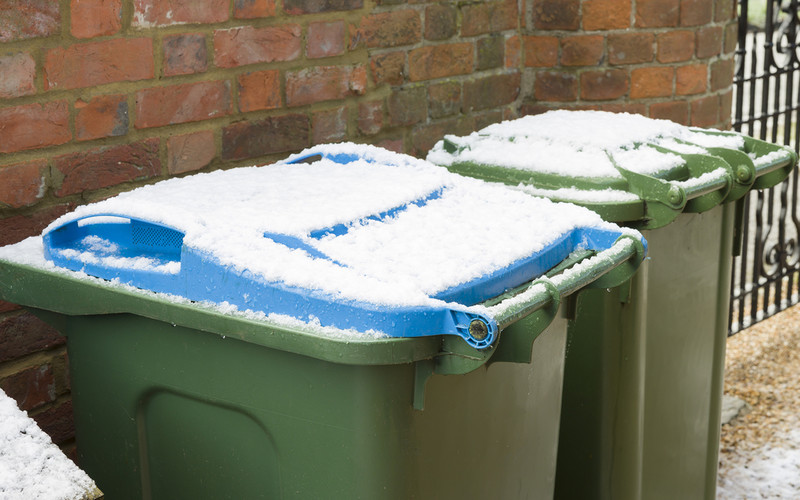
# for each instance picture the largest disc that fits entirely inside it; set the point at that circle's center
(760, 448)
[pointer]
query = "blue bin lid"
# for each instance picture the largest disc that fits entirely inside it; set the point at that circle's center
(352, 236)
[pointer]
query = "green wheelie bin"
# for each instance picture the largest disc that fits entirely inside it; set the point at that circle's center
(645, 361)
(350, 323)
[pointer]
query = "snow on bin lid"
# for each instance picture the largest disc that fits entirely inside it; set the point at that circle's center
(31, 466)
(578, 144)
(382, 232)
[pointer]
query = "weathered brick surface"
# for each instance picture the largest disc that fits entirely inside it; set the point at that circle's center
(324, 83)
(675, 46)
(388, 68)
(370, 117)
(491, 91)
(16, 228)
(253, 9)
(709, 41)
(190, 102)
(691, 79)
(444, 99)
(23, 333)
(189, 152)
(556, 86)
(657, 13)
(630, 48)
(540, 51)
(653, 81)
(556, 14)
(185, 54)
(97, 63)
(151, 13)
(437, 61)
(387, 29)
(91, 18)
(606, 14)
(722, 74)
(103, 116)
(22, 184)
(408, 106)
(249, 45)
(31, 387)
(491, 53)
(424, 137)
(107, 166)
(29, 19)
(325, 39)
(696, 12)
(704, 111)
(441, 21)
(677, 111)
(488, 16)
(252, 139)
(57, 422)
(329, 125)
(315, 6)
(259, 90)
(604, 85)
(582, 50)
(17, 75)
(34, 126)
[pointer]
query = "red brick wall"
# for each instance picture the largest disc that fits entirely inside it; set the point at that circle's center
(98, 96)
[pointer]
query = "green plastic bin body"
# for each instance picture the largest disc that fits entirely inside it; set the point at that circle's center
(645, 361)
(177, 401)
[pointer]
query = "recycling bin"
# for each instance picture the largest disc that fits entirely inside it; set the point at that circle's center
(349, 323)
(645, 361)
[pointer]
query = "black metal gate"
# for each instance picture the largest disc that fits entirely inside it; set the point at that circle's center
(766, 94)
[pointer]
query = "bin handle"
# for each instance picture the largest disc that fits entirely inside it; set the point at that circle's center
(549, 291)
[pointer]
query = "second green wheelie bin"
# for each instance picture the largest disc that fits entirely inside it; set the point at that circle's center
(645, 361)
(351, 323)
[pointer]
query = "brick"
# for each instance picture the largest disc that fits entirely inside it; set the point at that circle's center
(18, 227)
(370, 117)
(582, 50)
(657, 13)
(259, 90)
(491, 91)
(556, 14)
(606, 14)
(325, 39)
(387, 29)
(329, 125)
(407, 106)
(675, 46)
(440, 21)
(8, 307)
(23, 334)
(444, 99)
(691, 79)
(651, 82)
(491, 52)
(60, 364)
(540, 51)
(604, 85)
(424, 137)
(248, 45)
(253, 9)
(555, 86)
(389, 68)
(107, 166)
(392, 144)
(56, 421)
(296, 7)
(22, 184)
(486, 118)
(696, 12)
(185, 54)
(630, 48)
(725, 109)
(34, 126)
(152, 13)
(721, 74)
(731, 38)
(103, 116)
(31, 387)
(513, 52)
(709, 41)
(190, 102)
(91, 18)
(17, 75)
(676, 111)
(324, 83)
(190, 152)
(636, 108)
(29, 19)
(724, 10)
(97, 63)
(489, 16)
(704, 112)
(437, 61)
(277, 134)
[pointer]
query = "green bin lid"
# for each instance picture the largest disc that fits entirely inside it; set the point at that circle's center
(628, 168)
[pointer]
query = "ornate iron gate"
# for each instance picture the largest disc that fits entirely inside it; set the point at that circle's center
(766, 88)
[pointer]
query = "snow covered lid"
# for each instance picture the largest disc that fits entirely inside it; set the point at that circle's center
(31, 466)
(626, 167)
(357, 229)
